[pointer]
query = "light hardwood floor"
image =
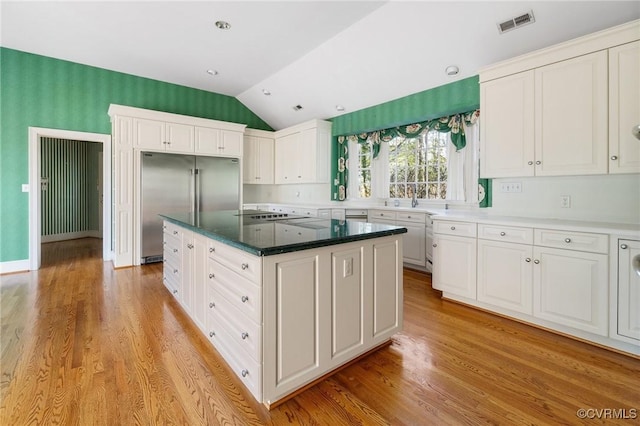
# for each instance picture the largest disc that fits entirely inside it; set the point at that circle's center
(82, 343)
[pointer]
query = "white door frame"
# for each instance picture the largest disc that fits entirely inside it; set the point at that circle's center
(35, 220)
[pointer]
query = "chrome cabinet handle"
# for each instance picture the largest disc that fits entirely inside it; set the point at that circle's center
(567, 240)
(244, 299)
(189, 246)
(245, 266)
(175, 271)
(211, 334)
(435, 245)
(528, 259)
(614, 157)
(536, 261)
(211, 276)
(175, 232)
(530, 163)
(538, 162)
(175, 250)
(175, 291)
(245, 335)
(212, 249)
(623, 246)
(212, 305)
(502, 234)
(453, 228)
(244, 373)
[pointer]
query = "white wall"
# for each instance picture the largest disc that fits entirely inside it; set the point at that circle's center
(295, 194)
(609, 198)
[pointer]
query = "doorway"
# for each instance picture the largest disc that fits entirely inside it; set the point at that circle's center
(40, 136)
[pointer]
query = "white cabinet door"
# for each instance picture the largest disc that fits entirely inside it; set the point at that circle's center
(179, 137)
(454, 269)
(207, 140)
(387, 290)
(258, 160)
(571, 116)
(505, 275)
(286, 149)
(507, 126)
(158, 135)
(413, 243)
(296, 298)
(306, 156)
(149, 134)
(629, 289)
(230, 143)
(624, 108)
(570, 288)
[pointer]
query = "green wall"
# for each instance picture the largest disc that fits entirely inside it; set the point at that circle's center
(44, 92)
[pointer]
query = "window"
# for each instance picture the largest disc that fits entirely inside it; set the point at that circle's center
(419, 163)
(364, 158)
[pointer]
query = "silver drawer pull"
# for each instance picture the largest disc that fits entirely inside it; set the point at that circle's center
(530, 163)
(211, 334)
(175, 250)
(614, 157)
(175, 291)
(244, 299)
(175, 232)
(536, 261)
(212, 249)
(453, 228)
(175, 271)
(189, 246)
(212, 305)
(245, 266)
(502, 234)
(538, 162)
(245, 335)
(211, 276)
(244, 373)
(528, 259)
(408, 217)
(435, 245)
(567, 240)
(623, 246)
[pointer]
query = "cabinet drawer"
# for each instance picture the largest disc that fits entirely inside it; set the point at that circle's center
(509, 234)
(582, 241)
(243, 263)
(355, 212)
(171, 229)
(171, 269)
(463, 229)
(246, 333)
(411, 217)
(382, 214)
(240, 292)
(248, 370)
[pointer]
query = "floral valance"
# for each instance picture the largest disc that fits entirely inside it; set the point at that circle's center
(452, 123)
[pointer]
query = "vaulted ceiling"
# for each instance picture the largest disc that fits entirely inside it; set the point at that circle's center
(316, 54)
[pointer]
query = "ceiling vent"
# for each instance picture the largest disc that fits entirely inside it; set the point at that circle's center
(516, 22)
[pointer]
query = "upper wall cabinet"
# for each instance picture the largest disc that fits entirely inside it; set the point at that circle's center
(218, 142)
(624, 108)
(258, 157)
(158, 135)
(552, 112)
(302, 153)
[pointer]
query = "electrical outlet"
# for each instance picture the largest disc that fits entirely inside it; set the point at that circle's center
(25, 187)
(565, 201)
(510, 187)
(348, 267)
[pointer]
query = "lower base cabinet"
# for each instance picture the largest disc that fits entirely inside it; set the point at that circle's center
(628, 301)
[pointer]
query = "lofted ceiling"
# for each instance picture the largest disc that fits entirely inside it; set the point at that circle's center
(316, 54)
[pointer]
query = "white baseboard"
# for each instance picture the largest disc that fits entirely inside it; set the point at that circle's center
(14, 266)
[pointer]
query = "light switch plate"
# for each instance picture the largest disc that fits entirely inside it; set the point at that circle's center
(25, 187)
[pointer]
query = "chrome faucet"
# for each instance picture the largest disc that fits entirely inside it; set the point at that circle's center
(414, 199)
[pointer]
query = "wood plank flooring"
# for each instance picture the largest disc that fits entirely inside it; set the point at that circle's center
(84, 344)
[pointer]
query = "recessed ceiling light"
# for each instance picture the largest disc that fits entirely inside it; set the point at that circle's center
(339, 108)
(212, 72)
(223, 25)
(452, 70)
(266, 92)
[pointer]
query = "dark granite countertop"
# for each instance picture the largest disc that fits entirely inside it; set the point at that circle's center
(264, 237)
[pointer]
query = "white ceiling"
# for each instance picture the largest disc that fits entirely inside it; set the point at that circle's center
(315, 54)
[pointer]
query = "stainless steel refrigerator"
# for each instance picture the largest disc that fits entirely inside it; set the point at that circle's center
(173, 183)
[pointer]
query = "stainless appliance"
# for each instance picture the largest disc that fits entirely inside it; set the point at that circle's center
(173, 183)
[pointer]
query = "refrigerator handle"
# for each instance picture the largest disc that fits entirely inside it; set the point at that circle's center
(196, 179)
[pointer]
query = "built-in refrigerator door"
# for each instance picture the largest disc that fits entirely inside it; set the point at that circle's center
(167, 187)
(219, 183)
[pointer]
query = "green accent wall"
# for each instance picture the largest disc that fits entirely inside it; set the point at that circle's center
(452, 98)
(39, 91)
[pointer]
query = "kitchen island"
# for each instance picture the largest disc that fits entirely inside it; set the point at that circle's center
(286, 300)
